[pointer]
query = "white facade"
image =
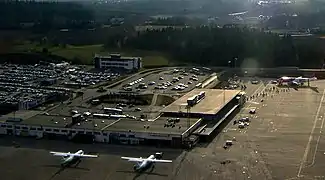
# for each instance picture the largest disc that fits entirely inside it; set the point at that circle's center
(100, 136)
(116, 61)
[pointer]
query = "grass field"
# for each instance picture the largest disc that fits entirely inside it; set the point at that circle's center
(86, 53)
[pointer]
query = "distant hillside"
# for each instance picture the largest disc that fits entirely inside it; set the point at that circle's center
(29, 58)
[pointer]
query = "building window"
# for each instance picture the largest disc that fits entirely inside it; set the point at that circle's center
(104, 134)
(56, 130)
(48, 129)
(3, 125)
(17, 127)
(64, 131)
(9, 126)
(89, 133)
(39, 129)
(96, 133)
(24, 128)
(72, 131)
(32, 128)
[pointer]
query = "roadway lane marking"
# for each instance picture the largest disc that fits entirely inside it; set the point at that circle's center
(311, 136)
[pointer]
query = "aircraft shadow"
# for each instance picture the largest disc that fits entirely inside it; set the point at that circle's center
(314, 89)
(67, 167)
(138, 174)
(62, 168)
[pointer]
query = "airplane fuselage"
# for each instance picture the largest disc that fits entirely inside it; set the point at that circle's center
(144, 164)
(71, 159)
(295, 80)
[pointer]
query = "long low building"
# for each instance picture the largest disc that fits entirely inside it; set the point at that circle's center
(174, 127)
(162, 131)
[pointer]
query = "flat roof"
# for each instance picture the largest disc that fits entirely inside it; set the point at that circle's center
(21, 114)
(156, 126)
(122, 124)
(116, 57)
(214, 100)
(49, 121)
(95, 124)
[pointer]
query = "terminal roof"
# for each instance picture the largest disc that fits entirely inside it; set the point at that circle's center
(214, 100)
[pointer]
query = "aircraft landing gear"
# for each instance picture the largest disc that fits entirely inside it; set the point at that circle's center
(78, 162)
(152, 168)
(134, 167)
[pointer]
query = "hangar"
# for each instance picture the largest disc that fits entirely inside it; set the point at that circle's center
(177, 125)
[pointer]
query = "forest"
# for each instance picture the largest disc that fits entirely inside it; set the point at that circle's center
(215, 46)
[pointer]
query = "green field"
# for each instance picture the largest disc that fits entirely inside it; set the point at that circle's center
(86, 53)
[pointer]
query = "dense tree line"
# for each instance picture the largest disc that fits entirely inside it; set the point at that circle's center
(217, 46)
(44, 15)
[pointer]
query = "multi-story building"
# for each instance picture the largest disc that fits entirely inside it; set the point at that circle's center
(116, 61)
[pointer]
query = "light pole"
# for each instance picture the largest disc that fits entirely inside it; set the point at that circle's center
(235, 62)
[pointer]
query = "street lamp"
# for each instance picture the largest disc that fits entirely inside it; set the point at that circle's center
(229, 64)
(235, 61)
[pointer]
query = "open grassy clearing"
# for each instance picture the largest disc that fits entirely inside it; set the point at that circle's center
(86, 53)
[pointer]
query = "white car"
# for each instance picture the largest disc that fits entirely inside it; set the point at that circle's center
(151, 83)
(274, 82)
(252, 111)
(241, 125)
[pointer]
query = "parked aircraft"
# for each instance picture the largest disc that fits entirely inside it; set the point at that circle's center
(238, 13)
(71, 158)
(144, 163)
(295, 80)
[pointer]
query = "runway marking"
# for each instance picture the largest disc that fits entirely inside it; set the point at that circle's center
(311, 136)
(320, 132)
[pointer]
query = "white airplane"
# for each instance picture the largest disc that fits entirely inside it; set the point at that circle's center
(71, 158)
(295, 80)
(238, 13)
(144, 163)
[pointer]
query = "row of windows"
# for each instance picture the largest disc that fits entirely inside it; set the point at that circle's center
(114, 64)
(54, 130)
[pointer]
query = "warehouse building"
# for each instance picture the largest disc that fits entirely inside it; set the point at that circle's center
(117, 61)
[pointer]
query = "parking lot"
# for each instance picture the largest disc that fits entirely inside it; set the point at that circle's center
(172, 81)
(28, 86)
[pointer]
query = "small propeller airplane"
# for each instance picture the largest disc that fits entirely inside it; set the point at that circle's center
(144, 163)
(71, 158)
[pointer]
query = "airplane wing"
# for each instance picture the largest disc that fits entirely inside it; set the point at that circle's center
(71, 154)
(59, 153)
(84, 155)
(132, 159)
(159, 161)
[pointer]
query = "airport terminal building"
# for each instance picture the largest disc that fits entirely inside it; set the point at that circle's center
(195, 115)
